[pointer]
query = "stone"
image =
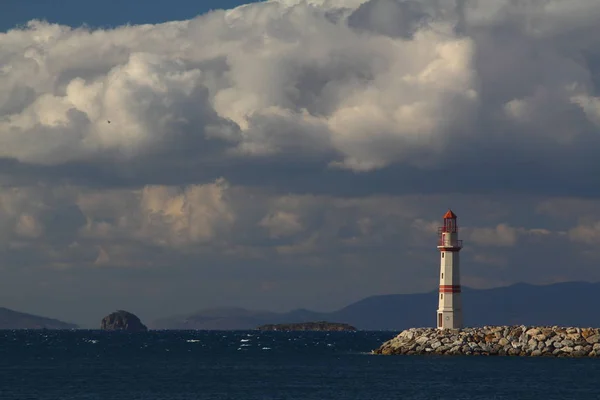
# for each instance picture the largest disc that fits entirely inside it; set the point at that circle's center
(547, 331)
(513, 352)
(490, 338)
(407, 335)
(455, 350)
(533, 332)
(593, 339)
(515, 332)
(485, 348)
(422, 340)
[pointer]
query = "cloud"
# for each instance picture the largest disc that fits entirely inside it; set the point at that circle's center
(388, 17)
(294, 144)
(281, 223)
(28, 226)
(405, 86)
(159, 215)
(501, 235)
(586, 232)
(236, 238)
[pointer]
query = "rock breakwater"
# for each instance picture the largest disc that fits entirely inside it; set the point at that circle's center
(533, 341)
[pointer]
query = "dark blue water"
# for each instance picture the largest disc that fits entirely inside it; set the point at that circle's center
(273, 365)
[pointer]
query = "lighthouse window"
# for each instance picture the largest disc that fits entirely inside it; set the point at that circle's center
(442, 296)
(442, 255)
(442, 275)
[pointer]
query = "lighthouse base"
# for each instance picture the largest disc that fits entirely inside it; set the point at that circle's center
(449, 319)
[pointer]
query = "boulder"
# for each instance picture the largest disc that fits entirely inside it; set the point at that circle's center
(591, 339)
(122, 321)
(533, 332)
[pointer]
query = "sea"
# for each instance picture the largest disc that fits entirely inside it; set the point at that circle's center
(255, 365)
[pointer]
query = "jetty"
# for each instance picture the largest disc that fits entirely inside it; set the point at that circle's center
(532, 341)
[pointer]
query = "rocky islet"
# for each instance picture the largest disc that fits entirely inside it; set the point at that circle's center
(122, 321)
(497, 340)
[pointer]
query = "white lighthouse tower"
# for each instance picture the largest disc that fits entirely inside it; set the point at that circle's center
(449, 313)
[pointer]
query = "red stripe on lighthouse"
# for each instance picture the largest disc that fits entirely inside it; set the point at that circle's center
(450, 289)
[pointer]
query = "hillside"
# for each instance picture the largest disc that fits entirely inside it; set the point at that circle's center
(10, 319)
(566, 304)
(218, 319)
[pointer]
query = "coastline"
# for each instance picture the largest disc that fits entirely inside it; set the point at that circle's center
(519, 340)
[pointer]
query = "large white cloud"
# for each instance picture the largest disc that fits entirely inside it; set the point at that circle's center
(363, 84)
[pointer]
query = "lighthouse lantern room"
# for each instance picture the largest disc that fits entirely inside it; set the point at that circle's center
(449, 313)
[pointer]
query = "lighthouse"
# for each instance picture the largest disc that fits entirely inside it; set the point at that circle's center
(449, 313)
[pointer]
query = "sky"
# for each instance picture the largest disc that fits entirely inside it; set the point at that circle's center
(107, 13)
(292, 154)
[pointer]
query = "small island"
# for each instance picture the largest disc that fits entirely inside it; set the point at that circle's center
(122, 321)
(308, 326)
(528, 341)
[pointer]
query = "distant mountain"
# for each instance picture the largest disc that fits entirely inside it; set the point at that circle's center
(218, 319)
(10, 319)
(566, 304)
